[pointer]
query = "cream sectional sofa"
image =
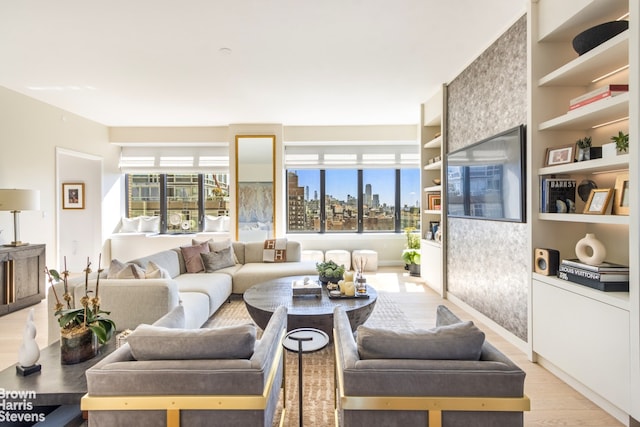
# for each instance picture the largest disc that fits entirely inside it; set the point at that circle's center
(135, 301)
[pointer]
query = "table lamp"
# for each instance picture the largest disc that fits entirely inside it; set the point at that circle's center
(15, 200)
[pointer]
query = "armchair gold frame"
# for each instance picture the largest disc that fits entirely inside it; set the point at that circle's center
(434, 405)
(173, 404)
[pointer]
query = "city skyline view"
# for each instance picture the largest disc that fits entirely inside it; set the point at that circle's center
(342, 183)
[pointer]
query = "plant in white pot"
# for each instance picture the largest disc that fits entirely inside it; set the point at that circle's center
(620, 145)
(411, 255)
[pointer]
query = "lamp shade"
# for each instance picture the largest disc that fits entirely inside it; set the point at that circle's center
(19, 200)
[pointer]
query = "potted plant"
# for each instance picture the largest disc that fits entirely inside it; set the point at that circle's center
(622, 142)
(619, 145)
(411, 255)
(329, 271)
(81, 329)
(586, 151)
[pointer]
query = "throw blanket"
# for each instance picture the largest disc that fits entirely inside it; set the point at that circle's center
(275, 250)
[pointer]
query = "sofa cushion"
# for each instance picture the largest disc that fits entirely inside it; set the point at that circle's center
(150, 342)
(169, 260)
(444, 316)
(218, 245)
(253, 251)
(274, 250)
(216, 260)
(173, 319)
(192, 260)
(120, 270)
(154, 271)
(458, 341)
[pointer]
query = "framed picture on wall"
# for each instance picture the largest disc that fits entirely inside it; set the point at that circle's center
(73, 196)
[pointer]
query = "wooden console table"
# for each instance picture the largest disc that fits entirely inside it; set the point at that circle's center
(22, 277)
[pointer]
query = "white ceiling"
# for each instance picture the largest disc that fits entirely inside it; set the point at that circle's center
(295, 62)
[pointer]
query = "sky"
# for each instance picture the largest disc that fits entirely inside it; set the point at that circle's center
(343, 182)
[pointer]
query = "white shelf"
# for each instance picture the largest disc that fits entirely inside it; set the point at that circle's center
(433, 166)
(433, 189)
(585, 218)
(616, 299)
(590, 115)
(599, 61)
(619, 162)
(432, 212)
(434, 143)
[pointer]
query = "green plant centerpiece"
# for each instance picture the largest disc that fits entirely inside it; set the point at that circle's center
(622, 142)
(82, 328)
(329, 272)
(411, 255)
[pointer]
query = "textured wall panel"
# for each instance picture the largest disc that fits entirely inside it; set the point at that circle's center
(487, 260)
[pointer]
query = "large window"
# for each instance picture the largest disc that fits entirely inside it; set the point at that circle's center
(182, 201)
(352, 200)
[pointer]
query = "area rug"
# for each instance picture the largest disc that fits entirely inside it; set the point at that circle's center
(318, 372)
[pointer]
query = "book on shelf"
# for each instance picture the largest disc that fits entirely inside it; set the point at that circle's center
(557, 195)
(605, 267)
(620, 286)
(603, 92)
(622, 276)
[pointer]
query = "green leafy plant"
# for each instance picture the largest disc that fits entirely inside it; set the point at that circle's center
(622, 141)
(330, 270)
(584, 142)
(75, 321)
(411, 255)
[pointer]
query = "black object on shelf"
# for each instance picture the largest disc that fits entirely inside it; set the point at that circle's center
(595, 36)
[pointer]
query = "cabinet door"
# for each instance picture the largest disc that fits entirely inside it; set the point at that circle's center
(4, 305)
(28, 276)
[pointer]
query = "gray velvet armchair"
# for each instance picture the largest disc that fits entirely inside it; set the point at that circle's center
(447, 376)
(226, 377)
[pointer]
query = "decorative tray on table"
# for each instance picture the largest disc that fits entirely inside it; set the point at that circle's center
(335, 294)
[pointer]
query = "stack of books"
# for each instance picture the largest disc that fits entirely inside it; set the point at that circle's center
(604, 92)
(557, 195)
(608, 277)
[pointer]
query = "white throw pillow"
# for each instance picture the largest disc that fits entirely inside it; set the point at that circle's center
(150, 224)
(130, 225)
(213, 223)
(154, 271)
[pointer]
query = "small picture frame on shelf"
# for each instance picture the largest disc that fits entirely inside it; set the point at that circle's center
(560, 155)
(73, 196)
(621, 196)
(598, 201)
(433, 201)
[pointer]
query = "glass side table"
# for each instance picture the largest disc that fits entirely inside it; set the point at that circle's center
(304, 340)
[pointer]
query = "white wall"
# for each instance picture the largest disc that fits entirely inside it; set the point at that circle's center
(30, 132)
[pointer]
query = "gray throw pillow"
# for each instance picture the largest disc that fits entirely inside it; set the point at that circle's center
(216, 260)
(459, 341)
(150, 342)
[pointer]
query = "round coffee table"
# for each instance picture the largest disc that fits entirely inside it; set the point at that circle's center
(304, 311)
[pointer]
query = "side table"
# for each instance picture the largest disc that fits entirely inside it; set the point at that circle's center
(304, 340)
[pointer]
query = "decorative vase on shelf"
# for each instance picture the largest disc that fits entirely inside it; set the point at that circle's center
(590, 250)
(78, 347)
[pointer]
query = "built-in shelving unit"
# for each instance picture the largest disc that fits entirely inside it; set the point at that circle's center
(584, 335)
(432, 155)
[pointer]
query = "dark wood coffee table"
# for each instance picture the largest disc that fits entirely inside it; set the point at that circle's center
(56, 385)
(307, 311)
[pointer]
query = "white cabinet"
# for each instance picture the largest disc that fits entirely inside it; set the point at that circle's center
(590, 336)
(432, 134)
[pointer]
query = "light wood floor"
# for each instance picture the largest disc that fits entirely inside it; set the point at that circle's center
(553, 403)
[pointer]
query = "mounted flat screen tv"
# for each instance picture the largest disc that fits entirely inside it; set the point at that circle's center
(485, 180)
